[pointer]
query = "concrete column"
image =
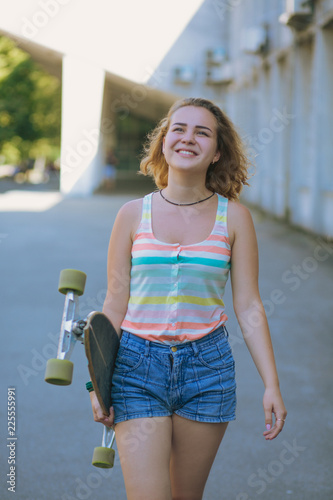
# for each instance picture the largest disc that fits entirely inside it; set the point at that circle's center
(302, 146)
(82, 99)
(265, 140)
(280, 125)
(108, 124)
(323, 125)
(252, 193)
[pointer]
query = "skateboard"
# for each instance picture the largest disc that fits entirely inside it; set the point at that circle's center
(101, 344)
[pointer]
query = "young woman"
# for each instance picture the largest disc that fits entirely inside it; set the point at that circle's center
(169, 258)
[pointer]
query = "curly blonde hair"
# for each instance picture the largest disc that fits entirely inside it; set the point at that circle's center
(226, 177)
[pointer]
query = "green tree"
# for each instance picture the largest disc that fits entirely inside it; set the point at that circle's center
(30, 107)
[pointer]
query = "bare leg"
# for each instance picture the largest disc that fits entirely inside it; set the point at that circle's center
(153, 450)
(144, 446)
(194, 447)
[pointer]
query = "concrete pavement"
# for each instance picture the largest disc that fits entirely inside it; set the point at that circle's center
(41, 233)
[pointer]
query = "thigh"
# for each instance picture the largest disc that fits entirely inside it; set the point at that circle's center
(194, 447)
(144, 446)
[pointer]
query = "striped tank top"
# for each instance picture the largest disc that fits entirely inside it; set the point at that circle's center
(176, 291)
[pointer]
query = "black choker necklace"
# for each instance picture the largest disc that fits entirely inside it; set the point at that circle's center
(185, 204)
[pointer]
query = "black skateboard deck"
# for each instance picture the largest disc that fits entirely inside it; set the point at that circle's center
(101, 345)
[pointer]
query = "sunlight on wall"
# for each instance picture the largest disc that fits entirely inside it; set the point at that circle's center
(128, 38)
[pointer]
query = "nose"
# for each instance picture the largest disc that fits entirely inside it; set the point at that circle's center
(188, 137)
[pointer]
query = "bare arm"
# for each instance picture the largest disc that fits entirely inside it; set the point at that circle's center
(250, 312)
(118, 269)
(119, 262)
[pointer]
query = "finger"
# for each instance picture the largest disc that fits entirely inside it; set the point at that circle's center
(279, 424)
(96, 409)
(275, 431)
(109, 420)
(98, 414)
(268, 418)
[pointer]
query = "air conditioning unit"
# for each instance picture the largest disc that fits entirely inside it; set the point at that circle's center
(255, 40)
(298, 13)
(221, 75)
(216, 57)
(183, 75)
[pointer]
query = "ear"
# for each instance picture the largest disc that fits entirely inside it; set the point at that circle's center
(163, 145)
(216, 157)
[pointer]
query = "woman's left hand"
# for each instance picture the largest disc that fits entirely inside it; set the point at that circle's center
(273, 404)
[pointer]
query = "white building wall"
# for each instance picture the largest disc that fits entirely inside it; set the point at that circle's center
(203, 33)
(302, 147)
(324, 130)
(280, 99)
(82, 100)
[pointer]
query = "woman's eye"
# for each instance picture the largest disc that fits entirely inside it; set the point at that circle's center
(177, 129)
(202, 133)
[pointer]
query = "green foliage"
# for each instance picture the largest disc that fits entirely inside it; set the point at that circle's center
(30, 107)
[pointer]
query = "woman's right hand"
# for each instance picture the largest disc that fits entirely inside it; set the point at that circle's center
(97, 411)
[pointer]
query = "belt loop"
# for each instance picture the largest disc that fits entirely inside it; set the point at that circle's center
(226, 331)
(195, 348)
(146, 347)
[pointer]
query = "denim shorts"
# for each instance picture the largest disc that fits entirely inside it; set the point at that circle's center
(195, 380)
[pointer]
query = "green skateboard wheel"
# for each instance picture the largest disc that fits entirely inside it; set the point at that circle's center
(103, 457)
(59, 372)
(72, 280)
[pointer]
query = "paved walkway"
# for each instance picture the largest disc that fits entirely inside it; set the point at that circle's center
(39, 235)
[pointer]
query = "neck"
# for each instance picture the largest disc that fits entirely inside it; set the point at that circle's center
(186, 190)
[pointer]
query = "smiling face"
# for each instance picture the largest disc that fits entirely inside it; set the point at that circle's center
(191, 140)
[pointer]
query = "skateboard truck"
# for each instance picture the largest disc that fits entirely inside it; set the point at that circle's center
(59, 371)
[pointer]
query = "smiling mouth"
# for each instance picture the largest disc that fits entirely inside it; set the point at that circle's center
(185, 152)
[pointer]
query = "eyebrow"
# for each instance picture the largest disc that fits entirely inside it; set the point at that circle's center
(197, 126)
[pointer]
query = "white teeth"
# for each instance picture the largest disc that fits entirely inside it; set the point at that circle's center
(186, 152)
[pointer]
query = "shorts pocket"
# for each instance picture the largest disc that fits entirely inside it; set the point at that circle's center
(217, 357)
(127, 360)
